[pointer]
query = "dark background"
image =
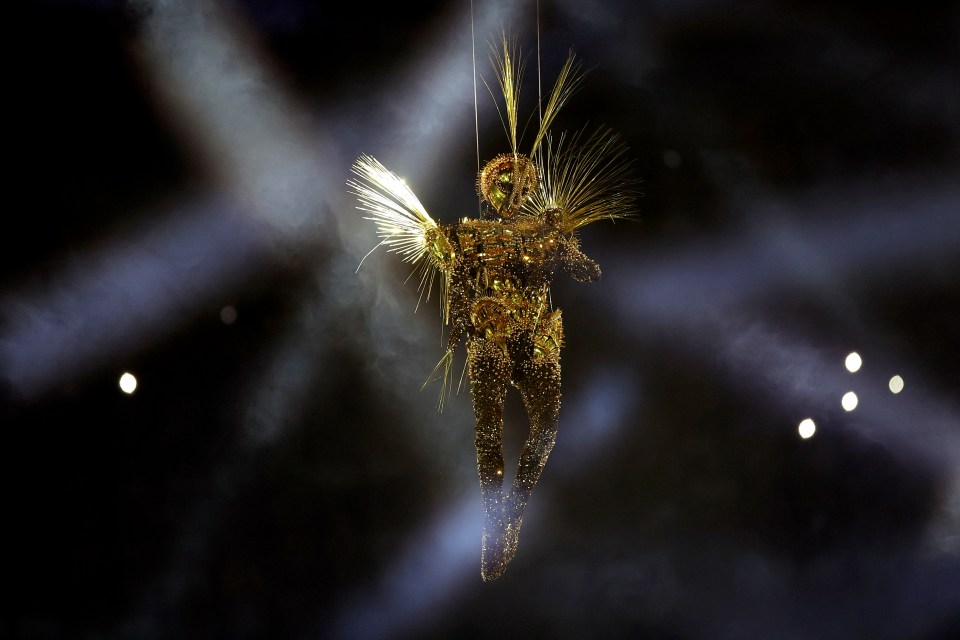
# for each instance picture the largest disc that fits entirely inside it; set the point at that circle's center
(282, 475)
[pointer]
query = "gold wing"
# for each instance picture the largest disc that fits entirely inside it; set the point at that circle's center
(403, 224)
(405, 227)
(508, 63)
(586, 177)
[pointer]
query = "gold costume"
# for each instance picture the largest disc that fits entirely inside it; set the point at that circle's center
(495, 275)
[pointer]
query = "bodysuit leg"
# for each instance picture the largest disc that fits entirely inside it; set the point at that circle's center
(489, 375)
(539, 385)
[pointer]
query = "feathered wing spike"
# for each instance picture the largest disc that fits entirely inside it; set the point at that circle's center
(568, 81)
(509, 70)
(587, 178)
(402, 222)
(446, 383)
(403, 225)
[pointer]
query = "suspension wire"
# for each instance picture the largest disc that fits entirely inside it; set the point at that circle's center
(476, 110)
(539, 89)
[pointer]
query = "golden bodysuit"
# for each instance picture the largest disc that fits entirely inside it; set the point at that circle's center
(495, 276)
(499, 299)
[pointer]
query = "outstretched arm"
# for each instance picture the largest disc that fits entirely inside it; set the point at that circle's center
(576, 263)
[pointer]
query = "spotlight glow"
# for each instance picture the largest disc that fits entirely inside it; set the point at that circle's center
(896, 384)
(849, 401)
(807, 428)
(128, 382)
(853, 362)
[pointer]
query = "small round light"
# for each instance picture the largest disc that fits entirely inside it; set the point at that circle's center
(128, 382)
(849, 401)
(807, 428)
(853, 362)
(228, 315)
(896, 384)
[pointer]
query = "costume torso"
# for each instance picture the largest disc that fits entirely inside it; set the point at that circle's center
(503, 278)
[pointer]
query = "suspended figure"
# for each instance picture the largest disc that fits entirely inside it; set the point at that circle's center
(495, 274)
